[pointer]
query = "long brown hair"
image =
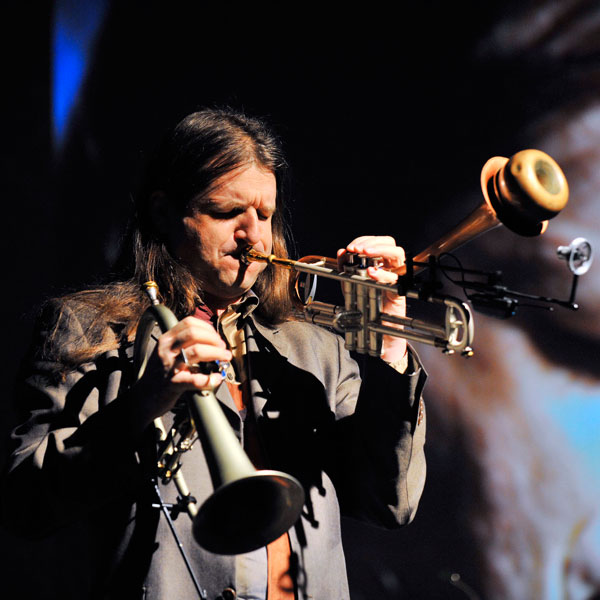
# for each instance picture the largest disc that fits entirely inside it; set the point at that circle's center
(195, 154)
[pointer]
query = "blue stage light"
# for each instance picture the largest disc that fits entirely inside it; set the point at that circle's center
(76, 26)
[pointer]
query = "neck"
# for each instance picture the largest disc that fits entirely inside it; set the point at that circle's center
(218, 305)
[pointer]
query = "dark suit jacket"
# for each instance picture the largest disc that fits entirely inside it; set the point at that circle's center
(76, 475)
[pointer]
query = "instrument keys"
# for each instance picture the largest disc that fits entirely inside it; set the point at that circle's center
(350, 259)
(354, 262)
(369, 261)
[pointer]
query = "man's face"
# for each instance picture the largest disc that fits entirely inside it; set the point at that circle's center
(212, 233)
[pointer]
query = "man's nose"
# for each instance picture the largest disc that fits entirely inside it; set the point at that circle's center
(248, 229)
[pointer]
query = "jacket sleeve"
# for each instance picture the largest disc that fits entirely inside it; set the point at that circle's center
(380, 457)
(72, 451)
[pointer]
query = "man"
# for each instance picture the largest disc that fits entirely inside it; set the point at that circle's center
(85, 455)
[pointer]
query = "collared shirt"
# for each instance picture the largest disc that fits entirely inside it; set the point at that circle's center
(262, 573)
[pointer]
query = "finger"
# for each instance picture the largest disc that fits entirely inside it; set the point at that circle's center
(172, 358)
(382, 246)
(361, 243)
(392, 256)
(193, 323)
(340, 258)
(366, 244)
(353, 246)
(376, 246)
(198, 381)
(382, 275)
(190, 331)
(190, 327)
(206, 353)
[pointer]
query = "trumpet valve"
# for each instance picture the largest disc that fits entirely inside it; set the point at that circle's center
(369, 261)
(355, 263)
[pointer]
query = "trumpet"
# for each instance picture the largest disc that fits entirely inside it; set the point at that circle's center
(361, 319)
(521, 193)
(273, 499)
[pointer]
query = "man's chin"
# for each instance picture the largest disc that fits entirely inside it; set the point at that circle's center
(227, 292)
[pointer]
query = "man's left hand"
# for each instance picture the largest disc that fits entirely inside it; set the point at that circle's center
(392, 257)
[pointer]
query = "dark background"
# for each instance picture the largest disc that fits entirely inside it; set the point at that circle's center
(387, 115)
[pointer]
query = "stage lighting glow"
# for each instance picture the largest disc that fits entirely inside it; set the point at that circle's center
(76, 25)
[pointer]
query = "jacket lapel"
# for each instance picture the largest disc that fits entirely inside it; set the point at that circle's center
(258, 393)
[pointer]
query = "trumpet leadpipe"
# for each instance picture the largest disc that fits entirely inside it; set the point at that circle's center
(322, 265)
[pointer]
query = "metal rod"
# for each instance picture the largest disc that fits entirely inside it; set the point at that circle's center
(184, 556)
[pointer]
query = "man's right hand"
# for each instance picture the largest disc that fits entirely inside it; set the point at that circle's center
(167, 376)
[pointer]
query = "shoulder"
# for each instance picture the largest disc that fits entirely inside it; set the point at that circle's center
(311, 348)
(61, 319)
(304, 353)
(75, 328)
(304, 333)
(107, 305)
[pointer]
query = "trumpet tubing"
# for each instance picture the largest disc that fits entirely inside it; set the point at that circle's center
(361, 319)
(522, 193)
(273, 500)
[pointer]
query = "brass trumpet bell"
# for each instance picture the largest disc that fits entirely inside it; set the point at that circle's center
(525, 191)
(521, 193)
(248, 513)
(248, 509)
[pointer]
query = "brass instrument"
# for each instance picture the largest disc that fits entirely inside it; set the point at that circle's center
(272, 500)
(522, 193)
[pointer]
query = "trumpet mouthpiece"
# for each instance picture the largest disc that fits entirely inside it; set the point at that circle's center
(151, 290)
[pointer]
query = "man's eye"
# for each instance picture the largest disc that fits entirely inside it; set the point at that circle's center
(229, 214)
(234, 212)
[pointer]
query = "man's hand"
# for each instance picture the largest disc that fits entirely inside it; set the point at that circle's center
(392, 256)
(167, 376)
